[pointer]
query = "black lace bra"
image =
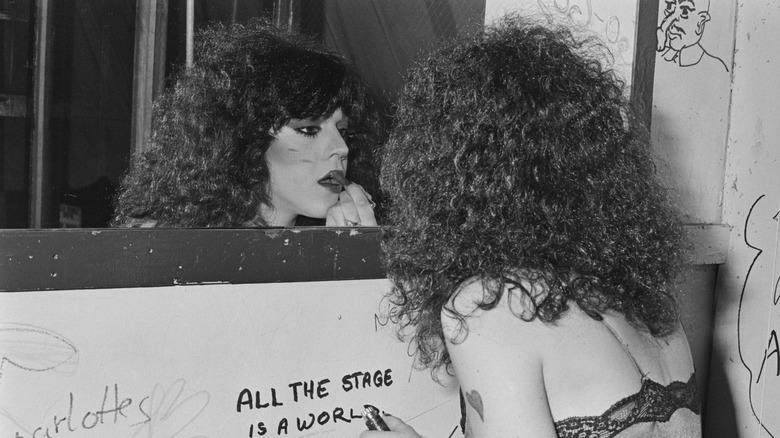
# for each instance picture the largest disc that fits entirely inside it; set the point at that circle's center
(652, 406)
(654, 403)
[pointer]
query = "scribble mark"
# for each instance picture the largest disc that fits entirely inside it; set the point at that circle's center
(589, 19)
(775, 297)
(169, 414)
(34, 349)
(379, 322)
(773, 344)
(759, 251)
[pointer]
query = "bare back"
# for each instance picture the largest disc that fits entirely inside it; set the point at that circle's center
(526, 376)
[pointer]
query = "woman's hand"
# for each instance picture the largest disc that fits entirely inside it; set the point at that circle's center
(398, 429)
(354, 209)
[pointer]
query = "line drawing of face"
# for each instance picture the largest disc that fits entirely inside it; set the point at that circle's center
(683, 24)
(301, 154)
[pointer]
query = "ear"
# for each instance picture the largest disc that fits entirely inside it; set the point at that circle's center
(704, 17)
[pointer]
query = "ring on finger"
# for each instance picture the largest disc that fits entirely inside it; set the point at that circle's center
(350, 223)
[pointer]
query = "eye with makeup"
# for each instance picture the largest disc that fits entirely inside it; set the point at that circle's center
(308, 131)
(313, 130)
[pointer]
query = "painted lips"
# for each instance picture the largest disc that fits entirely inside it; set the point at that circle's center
(334, 181)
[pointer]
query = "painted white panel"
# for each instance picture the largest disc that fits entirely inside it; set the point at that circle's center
(748, 312)
(691, 95)
(209, 361)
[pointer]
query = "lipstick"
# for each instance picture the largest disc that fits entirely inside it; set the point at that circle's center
(334, 181)
(338, 176)
(372, 418)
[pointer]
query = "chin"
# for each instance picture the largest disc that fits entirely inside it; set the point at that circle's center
(318, 212)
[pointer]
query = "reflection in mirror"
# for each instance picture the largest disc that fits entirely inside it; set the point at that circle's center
(15, 44)
(85, 126)
(256, 133)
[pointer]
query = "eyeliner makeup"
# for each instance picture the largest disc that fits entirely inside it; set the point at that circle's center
(372, 418)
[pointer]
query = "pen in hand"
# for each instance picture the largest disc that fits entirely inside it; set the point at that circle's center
(373, 419)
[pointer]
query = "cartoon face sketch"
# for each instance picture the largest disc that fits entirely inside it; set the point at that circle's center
(683, 23)
(680, 32)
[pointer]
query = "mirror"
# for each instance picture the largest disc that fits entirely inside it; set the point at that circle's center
(62, 167)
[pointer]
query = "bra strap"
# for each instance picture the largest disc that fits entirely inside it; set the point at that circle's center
(623, 344)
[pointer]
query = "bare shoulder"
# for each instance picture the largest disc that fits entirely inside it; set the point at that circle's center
(497, 357)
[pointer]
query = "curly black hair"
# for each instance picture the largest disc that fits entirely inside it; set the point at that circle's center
(205, 165)
(515, 156)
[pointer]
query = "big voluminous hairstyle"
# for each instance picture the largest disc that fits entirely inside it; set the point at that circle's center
(515, 156)
(205, 165)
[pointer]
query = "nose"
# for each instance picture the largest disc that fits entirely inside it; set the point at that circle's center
(337, 146)
(670, 19)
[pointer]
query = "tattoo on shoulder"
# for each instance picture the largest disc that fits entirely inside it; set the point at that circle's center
(475, 400)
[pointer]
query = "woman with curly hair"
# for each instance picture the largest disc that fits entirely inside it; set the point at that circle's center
(532, 252)
(258, 132)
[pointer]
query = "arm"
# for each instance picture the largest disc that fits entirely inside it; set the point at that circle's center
(499, 366)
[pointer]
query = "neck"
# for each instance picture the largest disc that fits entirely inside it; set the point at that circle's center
(267, 216)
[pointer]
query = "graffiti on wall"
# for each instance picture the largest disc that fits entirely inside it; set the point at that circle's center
(758, 320)
(681, 28)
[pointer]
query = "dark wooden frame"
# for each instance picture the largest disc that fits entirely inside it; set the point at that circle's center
(75, 258)
(68, 259)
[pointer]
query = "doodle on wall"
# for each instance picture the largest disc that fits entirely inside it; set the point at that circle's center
(582, 15)
(166, 412)
(757, 338)
(33, 349)
(680, 32)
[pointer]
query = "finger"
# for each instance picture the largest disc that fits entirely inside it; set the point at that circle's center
(362, 204)
(349, 209)
(335, 216)
(397, 426)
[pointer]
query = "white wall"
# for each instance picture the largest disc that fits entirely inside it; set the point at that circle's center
(746, 360)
